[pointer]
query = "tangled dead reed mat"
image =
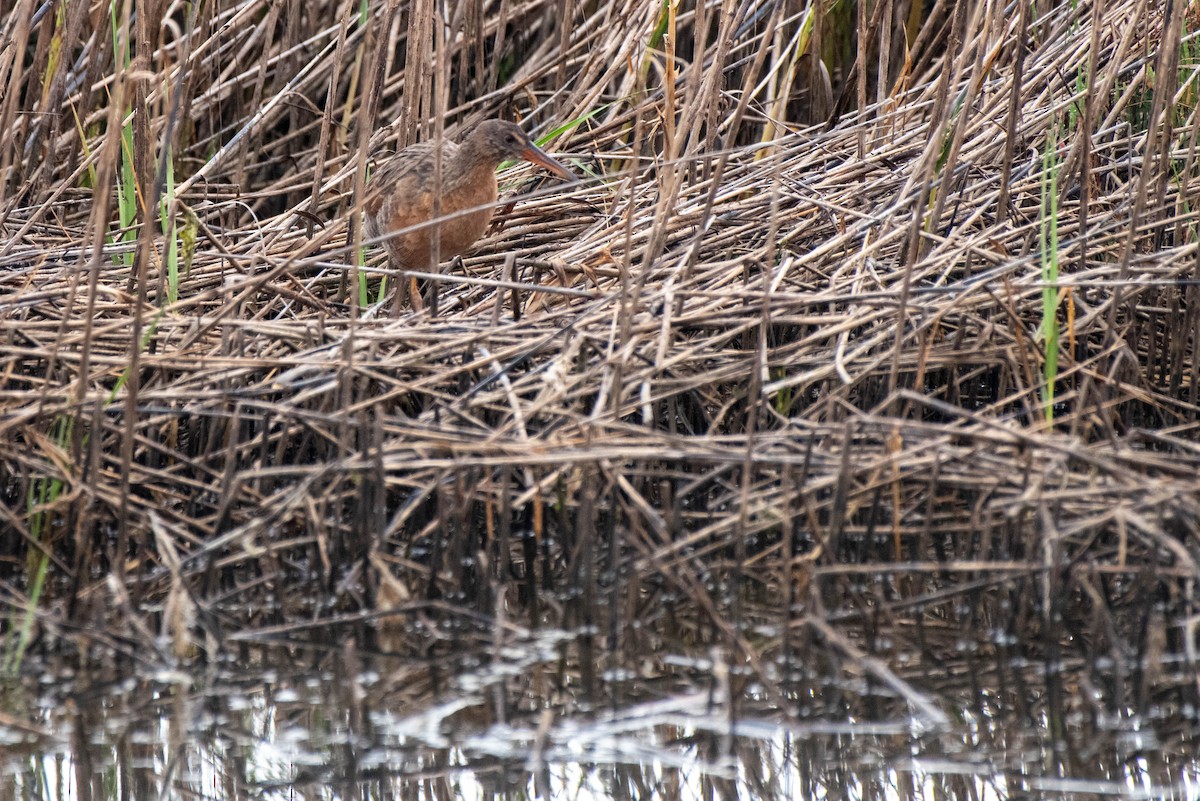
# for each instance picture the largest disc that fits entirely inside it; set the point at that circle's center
(894, 336)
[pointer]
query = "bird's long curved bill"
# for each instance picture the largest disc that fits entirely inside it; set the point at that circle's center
(538, 156)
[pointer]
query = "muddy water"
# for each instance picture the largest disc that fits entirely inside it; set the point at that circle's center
(525, 716)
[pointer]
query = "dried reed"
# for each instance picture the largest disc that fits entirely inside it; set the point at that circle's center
(788, 334)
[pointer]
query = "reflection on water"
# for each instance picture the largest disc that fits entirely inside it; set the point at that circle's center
(519, 719)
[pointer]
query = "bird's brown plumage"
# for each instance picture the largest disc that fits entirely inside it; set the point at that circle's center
(402, 192)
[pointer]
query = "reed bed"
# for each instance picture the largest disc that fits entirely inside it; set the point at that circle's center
(885, 308)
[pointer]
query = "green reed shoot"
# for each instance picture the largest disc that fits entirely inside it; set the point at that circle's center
(43, 492)
(126, 183)
(1048, 245)
(167, 219)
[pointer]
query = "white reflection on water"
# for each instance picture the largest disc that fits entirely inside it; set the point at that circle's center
(514, 727)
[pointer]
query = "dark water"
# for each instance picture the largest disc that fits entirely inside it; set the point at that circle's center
(526, 716)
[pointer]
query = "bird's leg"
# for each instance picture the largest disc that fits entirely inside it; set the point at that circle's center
(413, 289)
(406, 291)
(399, 300)
(433, 289)
(431, 293)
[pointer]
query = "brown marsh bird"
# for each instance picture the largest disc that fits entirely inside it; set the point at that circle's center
(403, 190)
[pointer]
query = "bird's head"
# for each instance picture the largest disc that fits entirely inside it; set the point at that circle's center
(505, 140)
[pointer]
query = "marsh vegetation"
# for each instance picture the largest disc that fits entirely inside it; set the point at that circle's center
(836, 435)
